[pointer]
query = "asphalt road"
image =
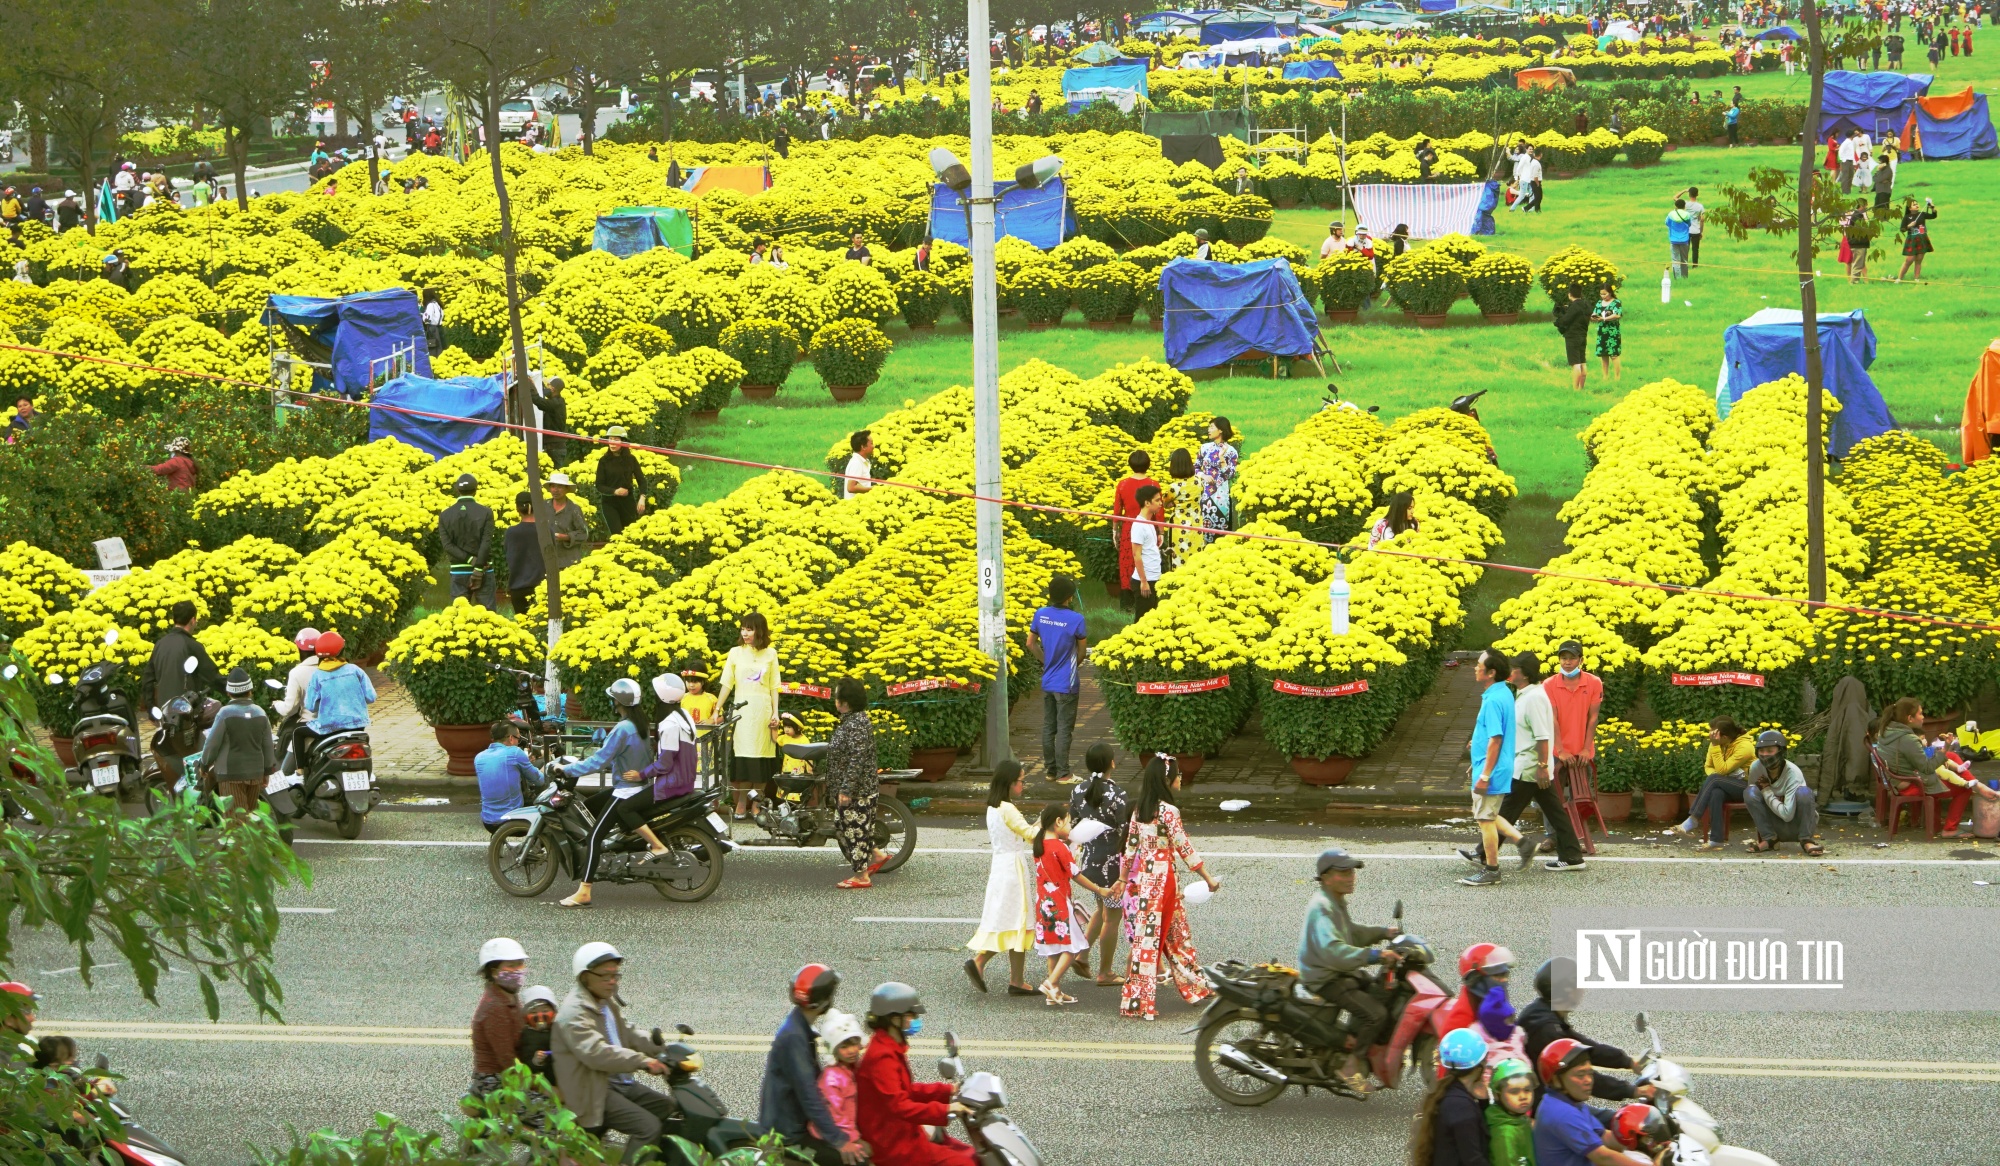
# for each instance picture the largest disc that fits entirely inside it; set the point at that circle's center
(379, 985)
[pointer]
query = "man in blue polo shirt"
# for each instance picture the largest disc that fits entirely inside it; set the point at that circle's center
(1055, 636)
(1493, 768)
(1567, 1133)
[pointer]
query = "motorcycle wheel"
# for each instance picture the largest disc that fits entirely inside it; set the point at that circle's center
(895, 832)
(1422, 1068)
(533, 874)
(1219, 1079)
(707, 858)
(349, 823)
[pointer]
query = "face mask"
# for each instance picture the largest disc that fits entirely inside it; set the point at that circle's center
(1572, 673)
(510, 980)
(916, 1026)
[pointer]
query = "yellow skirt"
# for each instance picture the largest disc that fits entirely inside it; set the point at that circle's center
(1002, 941)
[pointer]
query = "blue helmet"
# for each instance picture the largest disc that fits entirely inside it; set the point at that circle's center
(1461, 1048)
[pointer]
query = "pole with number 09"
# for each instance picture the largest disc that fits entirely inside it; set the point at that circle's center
(974, 187)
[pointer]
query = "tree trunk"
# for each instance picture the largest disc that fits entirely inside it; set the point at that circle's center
(1809, 309)
(237, 138)
(86, 172)
(38, 146)
(523, 388)
(587, 111)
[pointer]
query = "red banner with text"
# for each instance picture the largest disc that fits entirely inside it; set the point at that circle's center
(1290, 689)
(928, 684)
(1180, 687)
(1714, 679)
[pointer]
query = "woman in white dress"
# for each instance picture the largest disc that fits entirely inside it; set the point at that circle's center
(750, 674)
(1007, 922)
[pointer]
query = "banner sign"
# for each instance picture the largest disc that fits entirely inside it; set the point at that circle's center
(1712, 679)
(1290, 689)
(926, 685)
(816, 691)
(1180, 687)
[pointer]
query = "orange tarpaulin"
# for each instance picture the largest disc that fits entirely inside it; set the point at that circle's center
(748, 179)
(1981, 425)
(1544, 77)
(1942, 108)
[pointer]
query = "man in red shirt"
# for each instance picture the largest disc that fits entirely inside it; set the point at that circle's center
(1577, 697)
(1125, 506)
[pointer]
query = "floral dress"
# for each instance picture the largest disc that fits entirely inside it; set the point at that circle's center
(1162, 945)
(851, 771)
(1183, 509)
(1102, 860)
(1059, 924)
(1215, 468)
(1609, 313)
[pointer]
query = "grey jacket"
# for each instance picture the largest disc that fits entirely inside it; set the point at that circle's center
(1332, 944)
(585, 1062)
(239, 744)
(465, 531)
(1782, 792)
(166, 677)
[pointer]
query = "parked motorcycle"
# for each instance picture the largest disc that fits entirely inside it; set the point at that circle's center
(704, 1118)
(139, 1148)
(106, 737)
(1697, 1134)
(182, 730)
(996, 1139)
(799, 814)
(334, 782)
(1263, 1031)
(535, 843)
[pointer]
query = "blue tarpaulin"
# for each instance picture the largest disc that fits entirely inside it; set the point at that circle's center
(1770, 345)
(1216, 312)
(1488, 203)
(1782, 32)
(1879, 104)
(1217, 31)
(1965, 135)
(625, 235)
(1312, 71)
(484, 397)
(1437, 5)
(1040, 216)
(361, 331)
(1131, 77)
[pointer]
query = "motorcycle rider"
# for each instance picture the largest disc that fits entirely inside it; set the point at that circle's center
(337, 698)
(791, 1102)
(1481, 967)
(893, 1108)
(1333, 950)
(1567, 1131)
(625, 755)
(1451, 1122)
(294, 700)
(239, 756)
(1542, 1024)
(596, 1053)
(167, 676)
(19, 1024)
(1644, 1130)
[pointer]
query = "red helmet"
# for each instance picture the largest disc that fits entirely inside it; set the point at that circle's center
(1641, 1127)
(19, 989)
(1488, 958)
(330, 644)
(813, 985)
(1560, 1057)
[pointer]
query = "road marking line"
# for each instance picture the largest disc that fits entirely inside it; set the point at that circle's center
(306, 910)
(911, 919)
(1103, 1051)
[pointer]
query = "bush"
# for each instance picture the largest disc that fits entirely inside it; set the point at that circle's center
(1427, 282)
(448, 661)
(1042, 293)
(1578, 269)
(1499, 283)
(1245, 219)
(766, 349)
(849, 352)
(922, 296)
(1345, 279)
(1643, 146)
(1106, 291)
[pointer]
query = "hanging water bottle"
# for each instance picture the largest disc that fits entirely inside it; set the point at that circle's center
(1667, 286)
(1336, 598)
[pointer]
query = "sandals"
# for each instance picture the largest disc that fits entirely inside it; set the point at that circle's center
(573, 903)
(1761, 846)
(853, 884)
(1710, 846)
(878, 864)
(1812, 849)
(972, 972)
(1055, 996)
(1113, 982)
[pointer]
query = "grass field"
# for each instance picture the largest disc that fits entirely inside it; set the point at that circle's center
(1981, 70)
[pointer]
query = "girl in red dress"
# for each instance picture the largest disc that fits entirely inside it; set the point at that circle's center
(1061, 926)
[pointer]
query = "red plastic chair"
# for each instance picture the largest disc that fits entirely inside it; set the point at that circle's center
(1580, 798)
(1890, 803)
(1728, 808)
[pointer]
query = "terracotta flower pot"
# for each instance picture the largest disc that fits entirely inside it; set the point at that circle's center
(759, 392)
(1430, 321)
(462, 743)
(1042, 325)
(934, 762)
(847, 392)
(1342, 315)
(1501, 317)
(1615, 807)
(1663, 807)
(708, 414)
(923, 327)
(1103, 325)
(65, 750)
(1191, 764)
(1323, 770)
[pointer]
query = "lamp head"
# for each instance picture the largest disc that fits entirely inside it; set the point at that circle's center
(1040, 171)
(950, 170)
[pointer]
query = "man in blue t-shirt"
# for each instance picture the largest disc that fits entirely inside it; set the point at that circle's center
(1055, 636)
(1493, 768)
(1567, 1133)
(508, 778)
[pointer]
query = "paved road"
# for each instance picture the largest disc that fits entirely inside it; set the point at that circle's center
(379, 985)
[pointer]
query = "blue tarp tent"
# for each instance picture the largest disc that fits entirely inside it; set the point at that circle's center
(1312, 71)
(1967, 134)
(1040, 216)
(1217, 31)
(483, 397)
(625, 235)
(1219, 311)
(1878, 104)
(1437, 5)
(1782, 32)
(357, 334)
(1771, 345)
(1132, 77)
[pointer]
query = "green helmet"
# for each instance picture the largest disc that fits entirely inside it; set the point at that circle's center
(1508, 1069)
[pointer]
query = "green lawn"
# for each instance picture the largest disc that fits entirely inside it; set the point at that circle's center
(1981, 70)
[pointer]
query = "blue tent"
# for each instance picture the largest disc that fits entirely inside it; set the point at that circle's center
(1770, 345)
(625, 235)
(1968, 134)
(357, 333)
(1437, 5)
(1040, 216)
(1217, 31)
(1132, 77)
(1782, 32)
(1878, 104)
(1216, 312)
(480, 397)
(1312, 71)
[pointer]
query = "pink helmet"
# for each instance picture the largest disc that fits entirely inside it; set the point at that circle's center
(306, 639)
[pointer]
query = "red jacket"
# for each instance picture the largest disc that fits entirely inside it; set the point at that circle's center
(1460, 1013)
(893, 1107)
(178, 470)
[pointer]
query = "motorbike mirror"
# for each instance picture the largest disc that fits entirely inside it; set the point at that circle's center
(659, 1038)
(55, 678)
(684, 1030)
(110, 635)
(950, 1044)
(277, 684)
(11, 671)
(156, 712)
(948, 1069)
(188, 665)
(1641, 1024)
(102, 1062)
(1399, 911)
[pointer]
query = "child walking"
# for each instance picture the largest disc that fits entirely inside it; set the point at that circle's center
(842, 1033)
(1508, 1126)
(1061, 928)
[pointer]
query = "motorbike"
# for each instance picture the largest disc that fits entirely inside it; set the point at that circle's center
(1264, 1031)
(182, 730)
(799, 814)
(996, 1139)
(334, 782)
(1697, 1135)
(139, 1148)
(551, 836)
(704, 1117)
(106, 737)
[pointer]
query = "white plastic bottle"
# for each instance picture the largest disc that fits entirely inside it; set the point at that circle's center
(1667, 286)
(1336, 598)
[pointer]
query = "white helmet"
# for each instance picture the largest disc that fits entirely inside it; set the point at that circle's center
(623, 692)
(538, 995)
(497, 950)
(669, 687)
(836, 1028)
(590, 955)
